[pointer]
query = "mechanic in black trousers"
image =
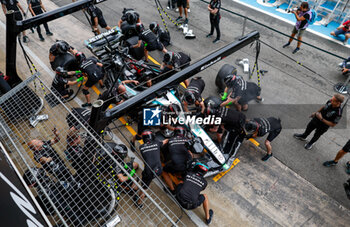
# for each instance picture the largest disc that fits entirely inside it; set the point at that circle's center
(179, 156)
(36, 7)
(214, 17)
(327, 116)
(193, 94)
(150, 152)
(14, 5)
(340, 154)
(175, 62)
(97, 19)
(230, 120)
(92, 70)
(241, 92)
(258, 127)
(188, 192)
(61, 83)
(150, 39)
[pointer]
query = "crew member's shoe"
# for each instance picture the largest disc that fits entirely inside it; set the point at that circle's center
(49, 33)
(266, 157)
(136, 199)
(178, 19)
(209, 35)
(330, 163)
(186, 21)
(308, 146)
(285, 45)
(25, 39)
(296, 50)
(86, 105)
(347, 168)
(41, 38)
(216, 40)
(32, 29)
(299, 136)
(259, 100)
(211, 213)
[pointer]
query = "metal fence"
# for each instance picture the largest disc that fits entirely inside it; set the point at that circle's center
(77, 179)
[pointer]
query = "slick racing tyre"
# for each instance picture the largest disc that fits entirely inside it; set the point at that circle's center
(214, 101)
(136, 53)
(67, 61)
(223, 72)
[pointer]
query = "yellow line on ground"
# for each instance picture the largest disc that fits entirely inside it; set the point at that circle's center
(153, 60)
(217, 177)
(256, 143)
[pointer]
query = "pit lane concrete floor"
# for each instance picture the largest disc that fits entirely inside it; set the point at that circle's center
(292, 188)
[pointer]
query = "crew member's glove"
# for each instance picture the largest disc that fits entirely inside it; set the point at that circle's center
(133, 171)
(80, 79)
(224, 97)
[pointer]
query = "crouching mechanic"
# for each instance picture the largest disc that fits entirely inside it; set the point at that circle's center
(258, 127)
(150, 39)
(150, 152)
(193, 94)
(188, 192)
(120, 152)
(230, 120)
(92, 69)
(179, 156)
(61, 84)
(163, 36)
(175, 62)
(242, 92)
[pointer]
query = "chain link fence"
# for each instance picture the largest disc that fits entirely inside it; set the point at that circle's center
(77, 179)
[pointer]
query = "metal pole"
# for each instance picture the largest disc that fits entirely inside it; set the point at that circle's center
(13, 28)
(11, 46)
(244, 24)
(95, 114)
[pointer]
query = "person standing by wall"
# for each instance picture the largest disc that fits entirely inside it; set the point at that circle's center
(327, 116)
(14, 5)
(303, 16)
(214, 17)
(36, 7)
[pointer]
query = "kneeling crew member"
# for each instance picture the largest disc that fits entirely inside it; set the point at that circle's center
(150, 152)
(163, 36)
(179, 156)
(258, 127)
(174, 62)
(150, 39)
(230, 120)
(61, 84)
(193, 94)
(242, 92)
(92, 69)
(188, 192)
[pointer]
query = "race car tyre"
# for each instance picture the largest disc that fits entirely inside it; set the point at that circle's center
(214, 101)
(136, 53)
(67, 61)
(223, 72)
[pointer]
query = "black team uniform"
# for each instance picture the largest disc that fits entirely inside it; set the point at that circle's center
(215, 19)
(36, 7)
(94, 72)
(188, 193)
(151, 154)
(179, 155)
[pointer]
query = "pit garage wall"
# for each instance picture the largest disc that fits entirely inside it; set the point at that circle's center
(17, 207)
